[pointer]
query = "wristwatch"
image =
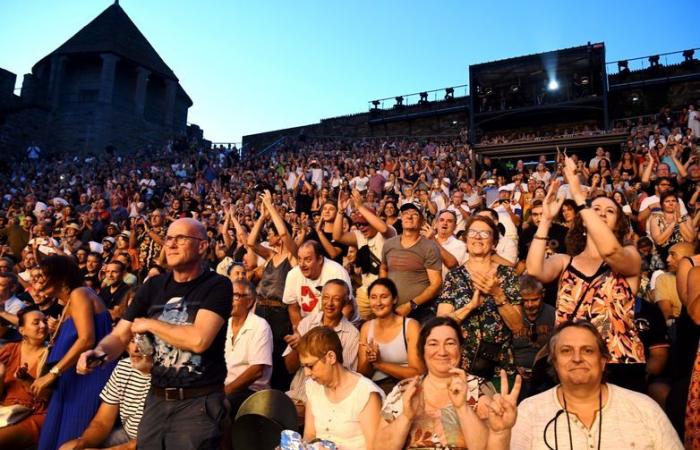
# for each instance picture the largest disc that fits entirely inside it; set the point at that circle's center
(55, 371)
(414, 305)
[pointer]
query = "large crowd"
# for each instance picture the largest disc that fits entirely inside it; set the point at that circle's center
(403, 293)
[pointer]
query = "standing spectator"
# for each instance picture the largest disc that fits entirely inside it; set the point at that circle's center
(599, 282)
(185, 311)
(453, 251)
(413, 263)
(149, 241)
(369, 238)
(84, 320)
(482, 295)
(305, 282)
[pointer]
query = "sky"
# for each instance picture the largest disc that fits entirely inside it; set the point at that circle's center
(255, 66)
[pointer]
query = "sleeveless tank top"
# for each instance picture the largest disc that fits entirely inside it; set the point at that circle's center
(393, 352)
(606, 300)
(271, 285)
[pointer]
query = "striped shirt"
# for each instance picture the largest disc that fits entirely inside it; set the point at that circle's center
(127, 388)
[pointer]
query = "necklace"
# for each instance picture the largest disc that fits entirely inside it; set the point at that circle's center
(600, 418)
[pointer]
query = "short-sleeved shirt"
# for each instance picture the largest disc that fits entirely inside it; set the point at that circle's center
(485, 323)
(252, 346)
(407, 267)
(127, 388)
(665, 289)
(630, 420)
(307, 292)
(349, 338)
(456, 248)
(176, 303)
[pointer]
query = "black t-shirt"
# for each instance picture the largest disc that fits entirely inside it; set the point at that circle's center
(165, 299)
(112, 299)
(651, 325)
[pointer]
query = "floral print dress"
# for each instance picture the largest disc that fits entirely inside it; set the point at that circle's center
(485, 323)
(606, 300)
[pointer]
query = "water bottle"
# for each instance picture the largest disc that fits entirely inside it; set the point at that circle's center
(291, 440)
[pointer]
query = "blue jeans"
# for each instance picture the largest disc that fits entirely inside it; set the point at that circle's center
(182, 424)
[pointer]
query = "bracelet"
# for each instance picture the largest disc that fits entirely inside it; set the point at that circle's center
(542, 238)
(578, 208)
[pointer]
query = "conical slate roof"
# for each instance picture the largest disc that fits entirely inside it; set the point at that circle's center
(114, 32)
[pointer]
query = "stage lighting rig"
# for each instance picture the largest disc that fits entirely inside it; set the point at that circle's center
(423, 98)
(553, 85)
(449, 93)
(688, 55)
(654, 60)
(399, 102)
(376, 103)
(623, 66)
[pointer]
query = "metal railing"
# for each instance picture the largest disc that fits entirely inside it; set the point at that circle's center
(652, 61)
(420, 98)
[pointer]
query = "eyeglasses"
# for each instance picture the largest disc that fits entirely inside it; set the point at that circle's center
(313, 364)
(479, 234)
(180, 239)
(238, 296)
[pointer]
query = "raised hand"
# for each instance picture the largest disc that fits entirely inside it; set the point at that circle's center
(552, 203)
(501, 409)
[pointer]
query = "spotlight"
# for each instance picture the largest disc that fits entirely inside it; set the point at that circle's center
(399, 101)
(514, 88)
(449, 93)
(553, 85)
(654, 61)
(488, 91)
(623, 66)
(423, 98)
(688, 55)
(635, 98)
(376, 103)
(585, 80)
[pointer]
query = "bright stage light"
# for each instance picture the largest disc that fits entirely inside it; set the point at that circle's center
(553, 85)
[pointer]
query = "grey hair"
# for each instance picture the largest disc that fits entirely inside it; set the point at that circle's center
(530, 285)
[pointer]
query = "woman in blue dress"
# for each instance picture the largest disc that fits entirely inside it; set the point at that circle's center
(86, 320)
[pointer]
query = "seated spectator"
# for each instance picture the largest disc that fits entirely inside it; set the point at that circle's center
(538, 324)
(335, 295)
(632, 420)
(342, 406)
(123, 398)
(248, 348)
(436, 410)
(10, 305)
(19, 367)
(388, 343)
(663, 283)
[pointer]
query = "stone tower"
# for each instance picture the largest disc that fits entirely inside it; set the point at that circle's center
(104, 86)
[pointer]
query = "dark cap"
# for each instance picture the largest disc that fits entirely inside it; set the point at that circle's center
(411, 205)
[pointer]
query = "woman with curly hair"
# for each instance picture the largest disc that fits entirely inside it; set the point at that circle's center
(598, 282)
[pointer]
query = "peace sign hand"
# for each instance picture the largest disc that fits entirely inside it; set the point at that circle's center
(500, 411)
